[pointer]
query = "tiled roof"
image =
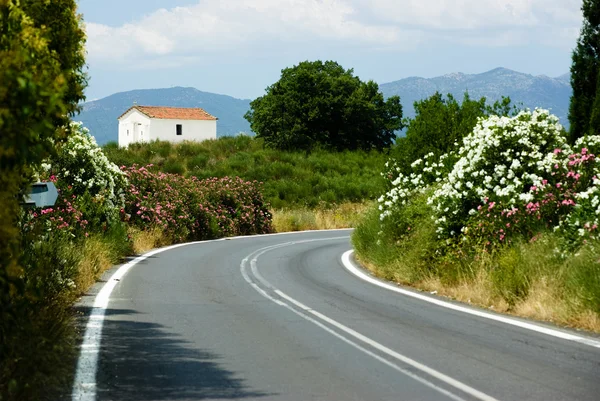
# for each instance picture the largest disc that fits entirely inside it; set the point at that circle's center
(173, 113)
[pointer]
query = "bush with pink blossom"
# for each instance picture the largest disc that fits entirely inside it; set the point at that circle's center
(193, 209)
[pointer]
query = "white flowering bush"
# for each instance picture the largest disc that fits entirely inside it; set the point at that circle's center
(498, 166)
(424, 173)
(82, 165)
(88, 182)
(512, 204)
(511, 176)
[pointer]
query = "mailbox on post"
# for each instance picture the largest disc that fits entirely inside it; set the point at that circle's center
(41, 194)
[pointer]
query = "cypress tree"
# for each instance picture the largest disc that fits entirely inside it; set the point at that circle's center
(584, 74)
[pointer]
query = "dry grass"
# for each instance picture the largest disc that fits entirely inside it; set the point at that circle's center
(96, 258)
(544, 302)
(345, 215)
(144, 241)
(477, 291)
(98, 254)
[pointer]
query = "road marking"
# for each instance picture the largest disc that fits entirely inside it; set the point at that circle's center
(84, 385)
(381, 348)
(349, 265)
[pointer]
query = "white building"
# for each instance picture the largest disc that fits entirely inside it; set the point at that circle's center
(173, 124)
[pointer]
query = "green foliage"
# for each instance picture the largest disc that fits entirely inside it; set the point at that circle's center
(80, 165)
(513, 206)
(291, 178)
(41, 63)
(188, 209)
(440, 123)
(322, 104)
(584, 108)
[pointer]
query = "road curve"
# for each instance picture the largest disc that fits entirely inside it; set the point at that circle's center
(279, 318)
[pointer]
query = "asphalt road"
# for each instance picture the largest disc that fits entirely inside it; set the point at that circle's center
(280, 318)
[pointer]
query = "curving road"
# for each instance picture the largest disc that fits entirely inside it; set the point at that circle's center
(280, 318)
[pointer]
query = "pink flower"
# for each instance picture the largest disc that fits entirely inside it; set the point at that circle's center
(557, 151)
(584, 151)
(558, 185)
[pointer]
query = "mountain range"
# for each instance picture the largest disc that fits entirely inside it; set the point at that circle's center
(524, 90)
(100, 116)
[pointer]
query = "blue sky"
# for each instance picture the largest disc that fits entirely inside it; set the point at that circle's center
(238, 47)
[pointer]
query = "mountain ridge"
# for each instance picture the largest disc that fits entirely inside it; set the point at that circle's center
(553, 93)
(529, 90)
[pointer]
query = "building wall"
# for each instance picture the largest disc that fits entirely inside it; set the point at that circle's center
(137, 127)
(192, 130)
(134, 127)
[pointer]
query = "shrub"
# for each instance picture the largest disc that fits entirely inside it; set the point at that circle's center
(513, 205)
(192, 209)
(88, 182)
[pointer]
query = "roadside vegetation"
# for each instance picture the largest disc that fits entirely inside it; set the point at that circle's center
(103, 214)
(291, 179)
(507, 219)
(496, 206)
(41, 84)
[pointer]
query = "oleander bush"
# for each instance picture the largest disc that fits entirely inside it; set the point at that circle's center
(510, 187)
(192, 209)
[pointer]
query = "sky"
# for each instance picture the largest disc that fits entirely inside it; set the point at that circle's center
(239, 47)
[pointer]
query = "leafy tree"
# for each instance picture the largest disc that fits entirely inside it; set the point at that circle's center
(439, 123)
(41, 84)
(322, 104)
(584, 110)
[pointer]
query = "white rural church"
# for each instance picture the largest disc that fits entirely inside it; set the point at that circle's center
(173, 124)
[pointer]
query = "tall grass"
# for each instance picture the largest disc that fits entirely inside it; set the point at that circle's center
(291, 179)
(525, 278)
(346, 215)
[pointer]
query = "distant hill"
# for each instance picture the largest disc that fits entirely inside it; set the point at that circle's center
(100, 116)
(531, 91)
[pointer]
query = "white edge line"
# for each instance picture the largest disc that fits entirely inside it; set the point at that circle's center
(84, 385)
(336, 334)
(408, 361)
(419, 366)
(350, 266)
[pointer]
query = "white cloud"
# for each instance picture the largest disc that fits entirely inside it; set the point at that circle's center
(183, 34)
(477, 14)
(211, 27)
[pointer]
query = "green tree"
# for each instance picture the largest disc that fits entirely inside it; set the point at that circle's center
(41, 84)
(439, 123)
(322, 104)
(585, 68)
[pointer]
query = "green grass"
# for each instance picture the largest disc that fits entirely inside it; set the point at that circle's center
(531, 279)
(291, 179)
